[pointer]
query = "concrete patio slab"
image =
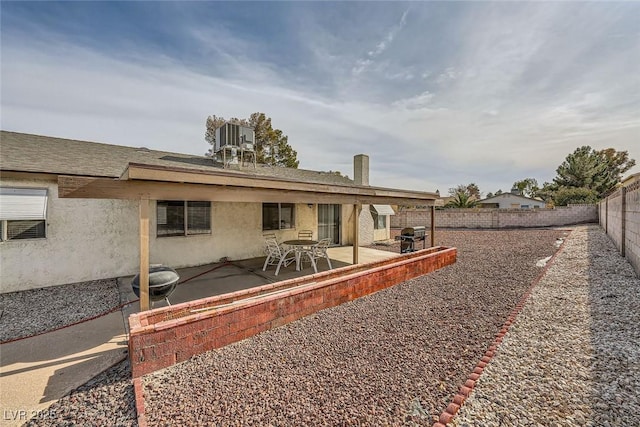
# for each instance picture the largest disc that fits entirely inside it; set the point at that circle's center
(221, 278)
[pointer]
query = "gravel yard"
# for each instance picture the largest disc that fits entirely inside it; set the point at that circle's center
(394, 357)
(31, 312)
(572, 357)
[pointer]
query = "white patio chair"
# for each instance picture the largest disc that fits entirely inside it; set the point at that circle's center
(318, 251)
(277, 256)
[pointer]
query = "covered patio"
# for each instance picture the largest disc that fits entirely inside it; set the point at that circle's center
(149, 182)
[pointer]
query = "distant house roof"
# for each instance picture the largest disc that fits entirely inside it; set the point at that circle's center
(44, 154)
(503, 195)
(630, 179)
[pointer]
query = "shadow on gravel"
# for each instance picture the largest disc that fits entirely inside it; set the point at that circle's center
(614, 299)
(106, 400)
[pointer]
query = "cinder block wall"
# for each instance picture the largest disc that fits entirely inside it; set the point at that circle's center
(497, 218)
(620, 218)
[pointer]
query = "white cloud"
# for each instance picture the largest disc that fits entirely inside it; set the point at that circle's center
(418, 101)
(381, 47)
(511, 101)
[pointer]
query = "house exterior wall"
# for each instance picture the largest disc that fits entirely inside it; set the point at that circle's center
(346, 232)
(382, 234)
(90, 239)
(85, 240)
(236, 233)
(508, 201)
(497, 218)
(366, 227)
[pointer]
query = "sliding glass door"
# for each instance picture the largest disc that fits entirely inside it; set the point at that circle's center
(329, 223)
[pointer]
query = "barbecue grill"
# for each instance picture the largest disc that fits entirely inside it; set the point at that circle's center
(162, 282)
(409, 236)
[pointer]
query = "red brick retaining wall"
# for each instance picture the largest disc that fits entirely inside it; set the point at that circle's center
(168, 335)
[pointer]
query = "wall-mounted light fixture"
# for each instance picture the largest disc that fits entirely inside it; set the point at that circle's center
(310, 205)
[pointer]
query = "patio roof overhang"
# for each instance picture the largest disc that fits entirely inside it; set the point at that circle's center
(163, 183)
(144, 182)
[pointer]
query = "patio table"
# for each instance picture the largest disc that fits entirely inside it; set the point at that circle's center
(300, 247)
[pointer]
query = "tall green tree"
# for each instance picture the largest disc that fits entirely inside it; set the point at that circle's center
(527, 187)
(272, 145)
(618, 161)
(547, 192)
(574, 195)
(599, 171)
(586, 175)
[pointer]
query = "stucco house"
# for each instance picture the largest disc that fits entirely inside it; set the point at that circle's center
(513, 200)
(72, 211)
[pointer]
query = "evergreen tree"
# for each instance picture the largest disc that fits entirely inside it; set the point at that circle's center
(271, 145)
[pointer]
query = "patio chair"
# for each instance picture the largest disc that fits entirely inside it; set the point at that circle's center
(318, 251)
(277, 256)
(269, 236)
(305, 235)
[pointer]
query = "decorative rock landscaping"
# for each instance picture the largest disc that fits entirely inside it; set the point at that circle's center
(399, 356)
(572, 357)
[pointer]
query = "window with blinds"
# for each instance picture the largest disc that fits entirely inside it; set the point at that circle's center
(23, 213)
(25, 230)
(182, 218)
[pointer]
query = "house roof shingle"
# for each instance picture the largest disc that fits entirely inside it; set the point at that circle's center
(22, 152)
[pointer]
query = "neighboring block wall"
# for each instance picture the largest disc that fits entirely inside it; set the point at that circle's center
(620, 217)
(497, 218)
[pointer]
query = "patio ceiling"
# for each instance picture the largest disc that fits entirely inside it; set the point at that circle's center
(154, 182)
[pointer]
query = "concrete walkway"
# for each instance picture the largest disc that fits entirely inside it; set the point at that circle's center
(36, 371)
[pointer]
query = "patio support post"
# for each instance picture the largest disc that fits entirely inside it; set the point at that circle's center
(144, 254)
(357, 208)
(433, 225)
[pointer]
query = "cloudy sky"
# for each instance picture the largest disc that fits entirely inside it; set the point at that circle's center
(436, 93)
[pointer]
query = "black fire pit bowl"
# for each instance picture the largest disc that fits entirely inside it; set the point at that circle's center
(162, 283)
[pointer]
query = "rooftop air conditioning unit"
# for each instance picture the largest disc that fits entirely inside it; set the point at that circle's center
(234, 135)
(233, 141)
